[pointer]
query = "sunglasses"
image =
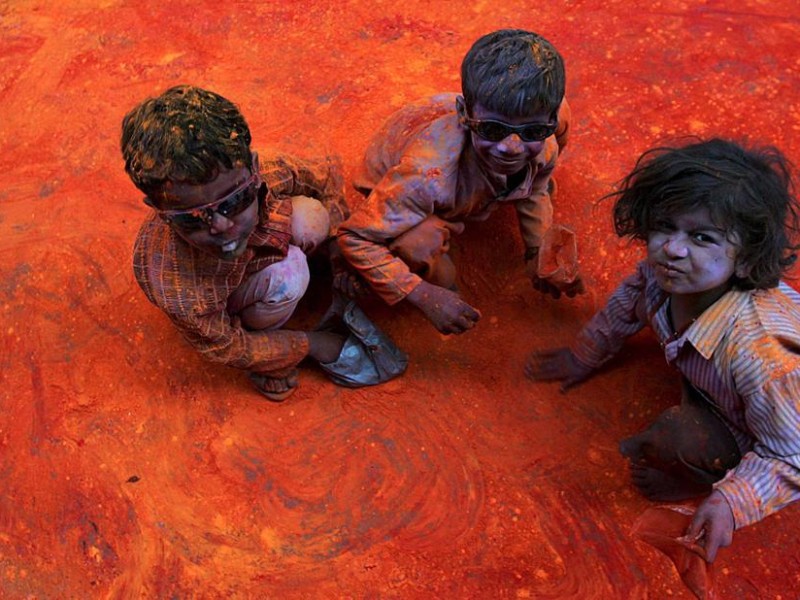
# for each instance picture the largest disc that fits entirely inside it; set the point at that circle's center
(200, 217)
(495, 131)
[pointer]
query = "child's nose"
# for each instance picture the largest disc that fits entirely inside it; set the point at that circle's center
(675, 246)
(219, 224)
(511, 144)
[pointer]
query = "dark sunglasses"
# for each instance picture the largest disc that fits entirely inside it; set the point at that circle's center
(229, 206)
(495, 131)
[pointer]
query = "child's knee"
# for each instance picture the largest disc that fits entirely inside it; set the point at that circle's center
(311, 223)
(425, 242)
(283, 286)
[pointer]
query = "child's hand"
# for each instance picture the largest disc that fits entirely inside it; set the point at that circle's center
(545, 286)
(444, 308)
(349, 284)
(559, 364)
(713, 525)
(345, 281)
(553, 266)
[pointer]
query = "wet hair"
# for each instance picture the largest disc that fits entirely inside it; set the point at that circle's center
(513, 72)
(748, 193)
(187, 135)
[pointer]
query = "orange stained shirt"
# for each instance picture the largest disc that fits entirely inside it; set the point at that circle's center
(192, 287)
(421, 163)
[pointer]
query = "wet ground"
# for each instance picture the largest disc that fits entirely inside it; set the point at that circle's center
(130, 468)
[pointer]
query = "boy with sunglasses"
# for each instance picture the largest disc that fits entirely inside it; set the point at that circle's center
(224, 252)
(451, 159)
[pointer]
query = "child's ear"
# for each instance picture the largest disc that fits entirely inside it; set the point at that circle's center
(742, 270)
(255, 168)
(461, 109)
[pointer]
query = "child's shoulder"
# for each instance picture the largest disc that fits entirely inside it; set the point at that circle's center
(424, 136)
(431, 117)
(777, 309)
(764, 341)
(423, 111)
(768, 324)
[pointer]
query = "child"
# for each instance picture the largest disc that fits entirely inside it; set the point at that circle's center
(223, 253)
(716, 220)
(451, 159)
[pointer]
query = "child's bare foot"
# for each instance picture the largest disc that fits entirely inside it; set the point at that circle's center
(663, 487)
(276, 389)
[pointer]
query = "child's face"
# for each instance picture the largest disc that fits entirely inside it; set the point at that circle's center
(691, 255)
(223, 237)
(510, 154)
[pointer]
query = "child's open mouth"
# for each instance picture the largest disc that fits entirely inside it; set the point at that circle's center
(230, 246)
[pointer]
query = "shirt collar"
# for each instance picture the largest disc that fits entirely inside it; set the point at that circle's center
(707, 331)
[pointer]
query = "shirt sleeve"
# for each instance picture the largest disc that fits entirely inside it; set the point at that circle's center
(398, 203)
(623, 315)
(221, 339)
(196, 306)
(768, 477)
(316, 178)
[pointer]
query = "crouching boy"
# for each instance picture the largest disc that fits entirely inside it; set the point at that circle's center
(442, 162)
(223, 253)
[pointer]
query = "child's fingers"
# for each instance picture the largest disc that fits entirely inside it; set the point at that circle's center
(543, 365)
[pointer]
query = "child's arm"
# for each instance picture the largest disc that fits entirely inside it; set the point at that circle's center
(762, 359)
(219, 339)
(768, 477)
(535, 213)
(397, 204)
(599, 340)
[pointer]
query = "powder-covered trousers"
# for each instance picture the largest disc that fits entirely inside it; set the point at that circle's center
(268, 298)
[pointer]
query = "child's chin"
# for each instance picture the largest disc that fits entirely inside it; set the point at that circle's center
(217, 251)
(506, 168)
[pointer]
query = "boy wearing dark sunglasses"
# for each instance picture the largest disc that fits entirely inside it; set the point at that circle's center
(223, 253)
(439, 163)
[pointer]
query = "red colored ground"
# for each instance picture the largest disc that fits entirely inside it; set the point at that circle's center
(130, 468)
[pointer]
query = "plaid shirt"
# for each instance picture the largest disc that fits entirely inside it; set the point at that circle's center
(421, 163)
(744, 353)
(193, 287)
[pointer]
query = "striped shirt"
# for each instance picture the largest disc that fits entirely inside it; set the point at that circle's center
(421, 163)
(744, 353)
(192, 287)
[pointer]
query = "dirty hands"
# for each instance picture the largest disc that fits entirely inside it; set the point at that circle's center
(553, 288)
(559, 364)
(349, 284)
(713, 525)
(444, 308)
(345, 281)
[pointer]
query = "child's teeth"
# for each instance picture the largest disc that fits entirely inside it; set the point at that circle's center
(229, 247)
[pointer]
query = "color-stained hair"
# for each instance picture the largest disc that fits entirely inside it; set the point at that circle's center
(186, 135)
(513, 72)
(748, 192)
